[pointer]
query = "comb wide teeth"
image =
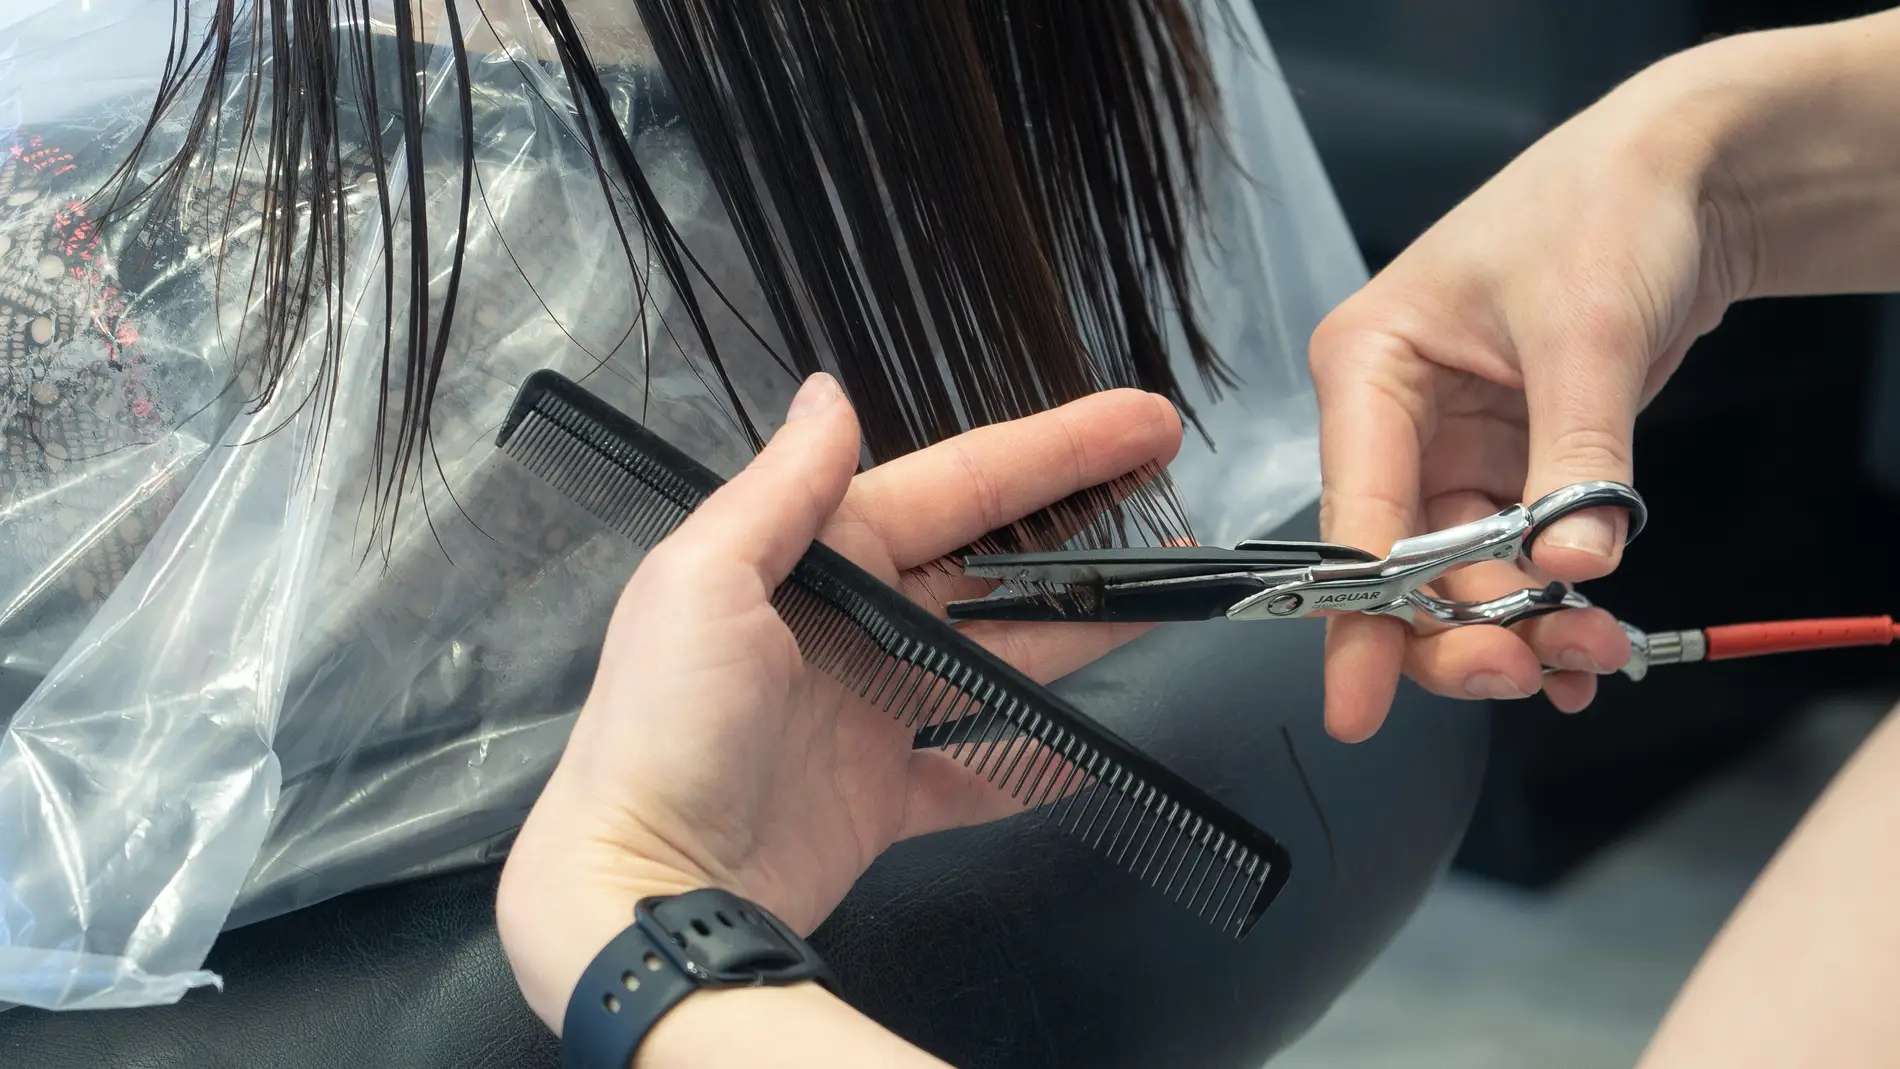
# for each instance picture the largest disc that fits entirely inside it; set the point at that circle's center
(1013, 732)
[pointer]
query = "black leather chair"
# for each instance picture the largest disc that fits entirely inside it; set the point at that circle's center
(1004, 946)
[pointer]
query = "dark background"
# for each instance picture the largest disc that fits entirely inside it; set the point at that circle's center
(1771, 465)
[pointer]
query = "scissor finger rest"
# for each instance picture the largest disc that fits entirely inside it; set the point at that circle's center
(1512, 608)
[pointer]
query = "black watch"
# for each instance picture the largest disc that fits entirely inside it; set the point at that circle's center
(676, 945)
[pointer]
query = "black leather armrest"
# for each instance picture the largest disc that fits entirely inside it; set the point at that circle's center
(1003, 946)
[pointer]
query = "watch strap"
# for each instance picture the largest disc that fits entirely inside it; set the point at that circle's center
(628, 987)
(676, 945)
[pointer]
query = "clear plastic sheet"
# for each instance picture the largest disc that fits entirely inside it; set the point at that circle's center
(223, 712)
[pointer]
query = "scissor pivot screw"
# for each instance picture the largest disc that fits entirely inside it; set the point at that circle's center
(1285, 604)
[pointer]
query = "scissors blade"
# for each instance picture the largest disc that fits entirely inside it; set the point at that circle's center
(1155, 601)
(1166, 562)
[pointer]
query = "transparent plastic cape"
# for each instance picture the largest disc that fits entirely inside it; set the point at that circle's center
(220, 705)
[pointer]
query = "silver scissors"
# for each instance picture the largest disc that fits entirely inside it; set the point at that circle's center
(1273, 580)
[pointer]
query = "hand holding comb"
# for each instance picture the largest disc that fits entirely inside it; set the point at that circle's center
(1029, 743)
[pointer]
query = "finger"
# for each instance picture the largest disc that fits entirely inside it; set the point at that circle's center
(928, 503)
(1475, 663)
(1582, 640)
(1375, 404)
(1589, 641)
(1364, 657)
(1583, 386)
(1482, 663)
(1478, 662)
(1570, 692)
(767, 516)
(1375, 407)
(1492, 663)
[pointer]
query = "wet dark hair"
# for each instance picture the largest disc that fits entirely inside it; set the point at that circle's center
(973, 210)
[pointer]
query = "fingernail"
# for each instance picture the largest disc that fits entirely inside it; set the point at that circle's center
(1168, 411)
(1579, 661)
(1588, 532)
(815, 395)
(1494, 686)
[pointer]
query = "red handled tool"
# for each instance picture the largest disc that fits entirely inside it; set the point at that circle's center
(1270, 580)
(1734, 641)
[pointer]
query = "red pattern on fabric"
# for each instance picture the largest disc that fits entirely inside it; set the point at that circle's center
(105, 305)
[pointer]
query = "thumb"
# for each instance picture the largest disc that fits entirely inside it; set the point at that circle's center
(1582, 407)
(767, 516)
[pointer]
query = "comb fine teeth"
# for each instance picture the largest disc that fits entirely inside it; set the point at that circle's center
(1031, 744)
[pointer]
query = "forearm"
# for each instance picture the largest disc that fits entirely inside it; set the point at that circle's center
(1805, 973)
(1802, 133)
(793, 1027)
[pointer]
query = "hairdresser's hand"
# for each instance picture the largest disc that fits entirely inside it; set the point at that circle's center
(1504, 355)
(708, 754)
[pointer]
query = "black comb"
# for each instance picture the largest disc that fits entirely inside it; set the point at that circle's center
(870, 637)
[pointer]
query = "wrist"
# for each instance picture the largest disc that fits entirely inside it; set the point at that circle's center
(698, 979)
(1789, 140)
(567, 890)
(797, 1025)
(570, 885)
(552, 924)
